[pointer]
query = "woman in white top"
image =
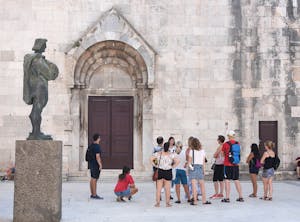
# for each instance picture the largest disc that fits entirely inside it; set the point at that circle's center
(164, 161)
(196, 171)
(172, 146)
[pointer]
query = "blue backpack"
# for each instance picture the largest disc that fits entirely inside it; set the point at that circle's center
(234, 153)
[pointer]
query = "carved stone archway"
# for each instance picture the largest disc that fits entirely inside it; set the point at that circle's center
(111, 43)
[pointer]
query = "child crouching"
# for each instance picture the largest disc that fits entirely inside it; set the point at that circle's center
(125, 186)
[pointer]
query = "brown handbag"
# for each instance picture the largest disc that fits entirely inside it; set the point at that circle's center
(155, 173)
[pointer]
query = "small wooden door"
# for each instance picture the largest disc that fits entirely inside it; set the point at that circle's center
(112, 117)
(268, 130)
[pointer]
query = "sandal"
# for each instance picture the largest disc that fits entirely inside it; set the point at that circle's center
(225, 200)
(269, 198)
(207, 202)
(178, 201)
(252, 195)
(193, 203)
(263, 198)
(157, 205)
(240, 199)
(168, 205)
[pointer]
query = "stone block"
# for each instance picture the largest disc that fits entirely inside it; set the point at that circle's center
(38, 181)
(296, 73)
(7, 55)
(251, 92)
(295, 111)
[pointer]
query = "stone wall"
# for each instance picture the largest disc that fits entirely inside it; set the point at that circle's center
(220, 64)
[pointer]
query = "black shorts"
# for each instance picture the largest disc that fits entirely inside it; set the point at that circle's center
(253, 170)
(95, 172)
(231, 172)
(165, 174)
(218, 173)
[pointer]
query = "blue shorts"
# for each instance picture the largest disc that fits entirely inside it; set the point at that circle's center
(197, 173)
(268, 173)
(124, 193)
(180, 177)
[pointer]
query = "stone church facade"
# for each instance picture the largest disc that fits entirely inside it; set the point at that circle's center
(133, 70)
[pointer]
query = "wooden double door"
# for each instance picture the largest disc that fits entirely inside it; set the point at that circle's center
(268, 130)
(112, 118)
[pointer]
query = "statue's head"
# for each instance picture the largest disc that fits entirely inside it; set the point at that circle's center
(39, 45)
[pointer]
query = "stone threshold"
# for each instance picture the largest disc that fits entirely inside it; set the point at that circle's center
(145, 176)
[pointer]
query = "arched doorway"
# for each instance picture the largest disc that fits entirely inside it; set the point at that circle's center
(111, 92)
(111, 59)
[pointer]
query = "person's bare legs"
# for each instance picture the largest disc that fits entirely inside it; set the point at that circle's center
(216, 186)
(253, 178)
(159, 185)
(238, 188)
(167, 185)
(133, 191)
(270, 188)
(202, 187)
(265, 183)
(221, 187)
(186, 190)
(177, 187)
(227, 189)
(194, 189)
(93, 186)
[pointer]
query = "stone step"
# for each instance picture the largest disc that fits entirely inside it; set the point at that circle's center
(111, 176)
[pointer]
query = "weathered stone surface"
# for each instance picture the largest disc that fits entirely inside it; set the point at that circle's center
(209, 58)
(38, 181)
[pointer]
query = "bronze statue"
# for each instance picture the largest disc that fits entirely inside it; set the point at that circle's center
(37, 72)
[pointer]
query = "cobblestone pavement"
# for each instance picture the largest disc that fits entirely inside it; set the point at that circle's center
(77, 206)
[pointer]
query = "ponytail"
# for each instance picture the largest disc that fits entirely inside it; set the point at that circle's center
(125, 171)
(270, 144)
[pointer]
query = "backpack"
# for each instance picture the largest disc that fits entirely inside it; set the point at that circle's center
(89, 154)
(276, 162)
(234, 152)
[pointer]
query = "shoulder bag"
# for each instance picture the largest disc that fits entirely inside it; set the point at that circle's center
(155, 173)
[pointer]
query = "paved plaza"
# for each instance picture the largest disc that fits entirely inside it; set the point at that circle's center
(78, 207)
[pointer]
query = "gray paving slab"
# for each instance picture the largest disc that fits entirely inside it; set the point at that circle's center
(77, 206)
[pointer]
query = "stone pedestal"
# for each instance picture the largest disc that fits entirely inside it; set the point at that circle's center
(38, 181)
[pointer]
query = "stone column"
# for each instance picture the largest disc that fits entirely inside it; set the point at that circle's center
(38, 181)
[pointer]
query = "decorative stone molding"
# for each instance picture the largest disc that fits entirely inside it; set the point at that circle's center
(114, 53)
(113, 26)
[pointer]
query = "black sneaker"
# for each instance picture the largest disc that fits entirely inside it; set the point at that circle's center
(178, 201)
(171, 198)
(97, 197)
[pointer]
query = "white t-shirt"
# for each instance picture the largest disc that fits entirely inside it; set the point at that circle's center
(199, 156)
(182, 158)
(172, 149)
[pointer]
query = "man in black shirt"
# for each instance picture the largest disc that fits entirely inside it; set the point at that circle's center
(95, 165)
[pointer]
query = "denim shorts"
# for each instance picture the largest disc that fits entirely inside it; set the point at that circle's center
(197, 173)
(180, 177)
(268, 173)
(124, 193)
